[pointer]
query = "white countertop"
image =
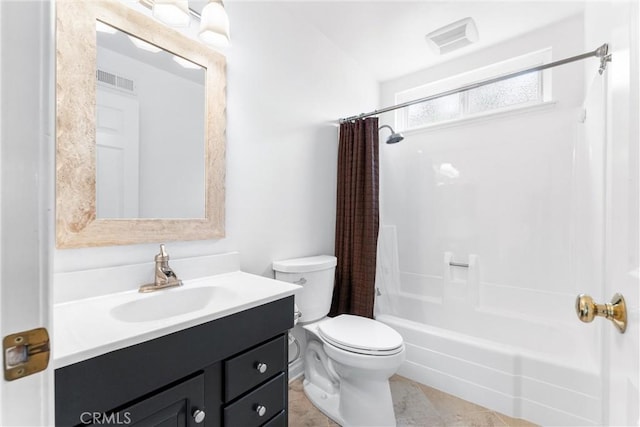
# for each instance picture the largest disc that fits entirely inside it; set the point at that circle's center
(87, 328)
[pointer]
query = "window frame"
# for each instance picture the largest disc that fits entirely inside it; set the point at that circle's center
(497, 69)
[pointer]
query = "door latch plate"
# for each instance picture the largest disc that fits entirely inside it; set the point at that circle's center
(25, 353)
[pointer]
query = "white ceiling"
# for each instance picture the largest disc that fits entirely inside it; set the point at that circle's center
(388, 37)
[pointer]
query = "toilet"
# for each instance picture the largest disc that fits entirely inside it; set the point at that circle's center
(348, 359)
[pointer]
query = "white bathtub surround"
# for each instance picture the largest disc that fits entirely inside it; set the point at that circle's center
(520, 198)
(517, 351)
(461, 278)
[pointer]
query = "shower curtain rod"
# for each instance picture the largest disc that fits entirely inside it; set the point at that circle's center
(602, 52)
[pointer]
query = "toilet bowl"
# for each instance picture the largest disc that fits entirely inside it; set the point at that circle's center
(348, 359)
(347, 377)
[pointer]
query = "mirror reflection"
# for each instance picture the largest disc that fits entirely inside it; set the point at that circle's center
(150, 130)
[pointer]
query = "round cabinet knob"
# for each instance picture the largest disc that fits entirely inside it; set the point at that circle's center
(261, 367)
(198, 416)
(261, 410)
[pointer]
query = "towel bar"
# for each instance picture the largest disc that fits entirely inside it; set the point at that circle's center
(458, 264)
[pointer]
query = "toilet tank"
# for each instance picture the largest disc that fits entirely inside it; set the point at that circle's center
(315, 274)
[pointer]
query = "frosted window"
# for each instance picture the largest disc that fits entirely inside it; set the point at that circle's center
(514, 91)
(436, 110)
(525, 90)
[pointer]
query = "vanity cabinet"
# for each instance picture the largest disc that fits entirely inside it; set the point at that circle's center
(232, 371)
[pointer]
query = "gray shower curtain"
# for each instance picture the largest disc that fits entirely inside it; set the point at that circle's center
(357, 218)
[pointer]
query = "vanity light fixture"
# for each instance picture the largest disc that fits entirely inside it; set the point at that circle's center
(174, 13)
(214, 21)
(141, 44)
(214, 24)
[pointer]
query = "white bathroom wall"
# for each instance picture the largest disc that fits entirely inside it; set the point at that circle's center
(286, 87)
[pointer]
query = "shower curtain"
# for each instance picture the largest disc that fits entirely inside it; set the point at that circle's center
(357, 218)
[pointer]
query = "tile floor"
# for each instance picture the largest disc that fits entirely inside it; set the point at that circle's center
(415, 405)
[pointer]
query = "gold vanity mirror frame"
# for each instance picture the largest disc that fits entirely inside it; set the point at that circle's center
(77, 224)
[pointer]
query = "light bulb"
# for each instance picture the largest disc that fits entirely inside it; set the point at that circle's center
(174, 13)
(214, 24)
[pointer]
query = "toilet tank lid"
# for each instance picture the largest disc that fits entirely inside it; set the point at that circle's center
(304, 265)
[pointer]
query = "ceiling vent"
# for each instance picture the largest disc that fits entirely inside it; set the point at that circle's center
(115, 81)
(453, 36)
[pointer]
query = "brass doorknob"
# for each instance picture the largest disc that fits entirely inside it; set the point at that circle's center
(616, 311)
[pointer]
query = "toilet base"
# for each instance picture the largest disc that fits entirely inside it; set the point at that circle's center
(374, 407)
(327, 403)
(350, 388)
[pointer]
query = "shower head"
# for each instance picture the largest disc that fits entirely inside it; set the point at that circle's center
(394, 137)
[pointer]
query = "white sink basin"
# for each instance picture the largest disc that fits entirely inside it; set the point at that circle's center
(90, 327)
(169, 303)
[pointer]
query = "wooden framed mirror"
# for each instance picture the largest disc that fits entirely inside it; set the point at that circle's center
(140, 132)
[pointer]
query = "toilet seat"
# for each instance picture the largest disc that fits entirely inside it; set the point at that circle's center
(361, 335)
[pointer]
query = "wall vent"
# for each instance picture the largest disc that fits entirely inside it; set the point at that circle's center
(115, 81)
(453, 36)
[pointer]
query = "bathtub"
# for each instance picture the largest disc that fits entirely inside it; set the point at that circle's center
(521, 352)
(500, 377)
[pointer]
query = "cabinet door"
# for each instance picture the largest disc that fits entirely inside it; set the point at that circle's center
(177, 406)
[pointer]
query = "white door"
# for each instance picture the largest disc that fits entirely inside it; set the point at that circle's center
(26, 195)
(618, 23)
(621, 351)
(117, 155)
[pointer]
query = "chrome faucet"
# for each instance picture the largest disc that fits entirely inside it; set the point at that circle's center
(164, 275)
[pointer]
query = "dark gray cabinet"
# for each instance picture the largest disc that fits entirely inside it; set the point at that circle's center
(232, 371)
(179, 406)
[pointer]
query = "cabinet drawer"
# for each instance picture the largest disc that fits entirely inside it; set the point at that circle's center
(279, 420)
(253, 367)
(246, 411)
